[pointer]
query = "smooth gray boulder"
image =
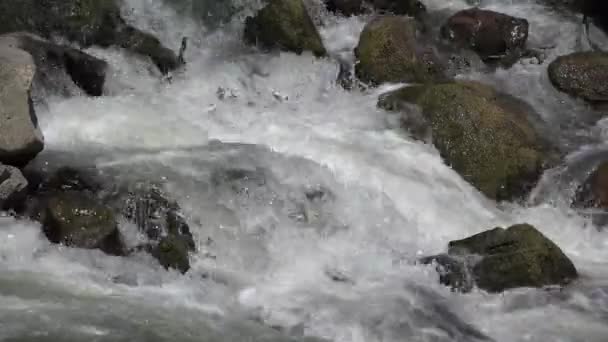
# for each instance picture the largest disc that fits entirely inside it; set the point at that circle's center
(20, 137)
(60, 69)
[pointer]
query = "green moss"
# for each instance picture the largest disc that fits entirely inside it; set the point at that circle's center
(79, 20)
(77, 220)
(388, 52)
(172, 252)
(284, 24)
(87, 22)
(519, 256)
(581, 74)
(492, 146)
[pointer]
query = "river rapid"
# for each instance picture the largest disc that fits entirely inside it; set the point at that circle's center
(320, 241)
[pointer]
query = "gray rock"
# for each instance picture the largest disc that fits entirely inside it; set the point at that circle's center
(59, 69)
(20, 137)
(13, 186)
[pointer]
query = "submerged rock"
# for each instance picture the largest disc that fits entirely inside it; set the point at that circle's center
(78, 220)
(286, 25)
(581, 74)
(13, 187)
(172, 252)
(154, 215)
(519, 256)
(141, 203)
(86, 22)
(492, 35)
(20, 137)
(593, 193)
(389, 52)
(56, 63)
(485, 136)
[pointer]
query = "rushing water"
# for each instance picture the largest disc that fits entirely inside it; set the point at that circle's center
(335, 191)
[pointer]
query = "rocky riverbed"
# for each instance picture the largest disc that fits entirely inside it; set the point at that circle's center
(340, 170)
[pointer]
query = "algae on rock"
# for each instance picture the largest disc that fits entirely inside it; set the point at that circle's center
(389, 52)
(484, 135)
(284, 24)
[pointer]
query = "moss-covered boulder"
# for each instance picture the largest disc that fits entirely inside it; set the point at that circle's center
(388, 51)
(502, 259)
(286, 25)
(172, 252)
(581, 74)
(483, 135)
(78, 220)
(69, 198)
(86, 22)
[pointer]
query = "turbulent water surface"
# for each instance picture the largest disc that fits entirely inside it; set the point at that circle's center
(335, 192)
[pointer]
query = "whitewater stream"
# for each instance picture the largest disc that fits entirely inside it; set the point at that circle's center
(319, 241)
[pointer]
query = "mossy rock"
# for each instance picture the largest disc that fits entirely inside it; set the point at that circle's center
(284, 24)
(78, 20)
(86, 22)
(483, 135)
(519, 256)
(581, 74)
(389, 52)
(78, 220)
(172, 252)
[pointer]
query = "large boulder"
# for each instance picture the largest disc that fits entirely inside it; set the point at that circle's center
(581, 74)
(20, 137)
(485, 136)
(502, 259)
(388, 51)
(492, 35)
(59, 67)
(86, 22)
(13, 187)
(76, 219)
(141, 203)
(286, 25)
